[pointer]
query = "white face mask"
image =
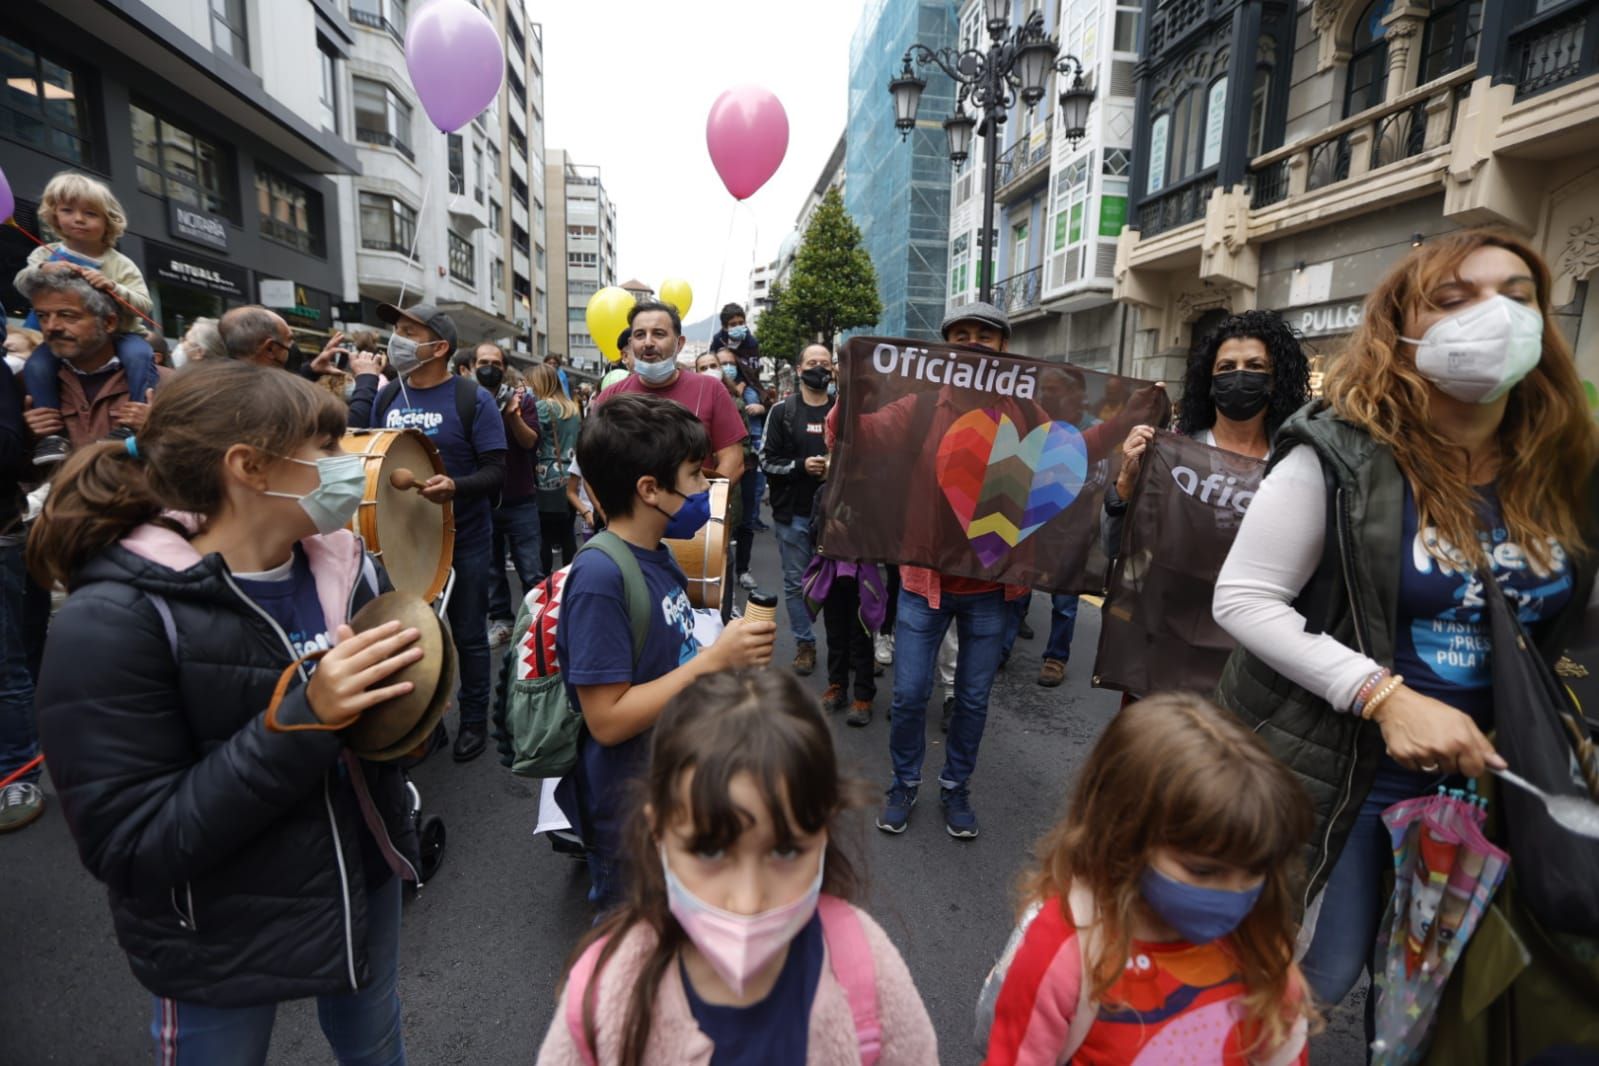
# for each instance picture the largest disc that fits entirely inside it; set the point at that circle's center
(1479, 354)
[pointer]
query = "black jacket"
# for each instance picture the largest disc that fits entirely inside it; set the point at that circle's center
(232, 856)
(784, 450)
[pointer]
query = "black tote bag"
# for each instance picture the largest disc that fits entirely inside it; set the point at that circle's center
(1556, 871)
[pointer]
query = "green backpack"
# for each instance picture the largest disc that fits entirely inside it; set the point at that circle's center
(536, 728)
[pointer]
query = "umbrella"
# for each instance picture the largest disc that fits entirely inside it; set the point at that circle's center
(1445, 873)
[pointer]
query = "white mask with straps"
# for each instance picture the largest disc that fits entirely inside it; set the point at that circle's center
(1479, 354)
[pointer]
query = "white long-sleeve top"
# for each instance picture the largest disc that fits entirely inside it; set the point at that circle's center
(1278, 547)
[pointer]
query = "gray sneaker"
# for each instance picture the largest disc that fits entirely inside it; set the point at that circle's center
(21, 802)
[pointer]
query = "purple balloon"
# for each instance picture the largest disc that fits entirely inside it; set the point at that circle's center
(747, 134)
(8, 202)
(456, 61)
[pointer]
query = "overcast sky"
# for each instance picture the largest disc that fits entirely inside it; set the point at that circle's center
(628, 85)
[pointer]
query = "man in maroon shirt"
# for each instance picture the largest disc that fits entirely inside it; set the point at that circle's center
(656, 340)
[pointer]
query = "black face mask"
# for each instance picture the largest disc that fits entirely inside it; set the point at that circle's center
(1241, 394)
(817, 378)
(491, 377)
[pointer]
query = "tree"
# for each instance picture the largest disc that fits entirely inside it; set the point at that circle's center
(780, 335)
(834, 286)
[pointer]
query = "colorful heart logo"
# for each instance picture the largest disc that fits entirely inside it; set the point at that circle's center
(1002, 486)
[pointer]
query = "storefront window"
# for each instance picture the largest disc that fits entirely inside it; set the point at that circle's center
(382, 116)
(387, 224)
(290, 212)
(182, 166)
(42, 103)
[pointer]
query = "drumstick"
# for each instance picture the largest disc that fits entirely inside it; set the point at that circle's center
(404, 480)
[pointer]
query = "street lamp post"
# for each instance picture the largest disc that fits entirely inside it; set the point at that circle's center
(1015, 65)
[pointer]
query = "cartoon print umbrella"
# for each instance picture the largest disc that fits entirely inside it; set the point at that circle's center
(1446, 872)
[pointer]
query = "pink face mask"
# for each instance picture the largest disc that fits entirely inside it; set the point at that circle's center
(738, 945)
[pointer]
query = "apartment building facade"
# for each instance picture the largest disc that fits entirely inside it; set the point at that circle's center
(582, 253)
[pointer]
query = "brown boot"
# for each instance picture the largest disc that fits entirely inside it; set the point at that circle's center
(833, 699)
(805, 660)
(860, 713)
(1052, 673)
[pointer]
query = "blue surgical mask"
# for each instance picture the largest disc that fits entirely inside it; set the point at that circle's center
(1200, 915)
(729, 371)
(341, 485)
(690, 518)
(738, 333)
(655, 373)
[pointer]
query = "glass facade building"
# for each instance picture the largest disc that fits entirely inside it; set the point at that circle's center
(899, 193)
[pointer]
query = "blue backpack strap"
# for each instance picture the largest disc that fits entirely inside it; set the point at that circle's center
(633, 584)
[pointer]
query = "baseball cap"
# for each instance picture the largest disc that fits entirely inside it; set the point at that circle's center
(976, 311)
(424, 315)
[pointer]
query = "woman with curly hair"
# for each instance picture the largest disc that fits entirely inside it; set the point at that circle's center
(1454, 441)
(1243, 381)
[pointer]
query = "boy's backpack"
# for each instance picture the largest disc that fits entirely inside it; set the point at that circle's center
(849, 956)
(536, 727)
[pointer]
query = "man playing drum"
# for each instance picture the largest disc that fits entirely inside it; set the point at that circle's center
(463, 422)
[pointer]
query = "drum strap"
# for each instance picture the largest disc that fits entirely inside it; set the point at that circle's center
(285, 679)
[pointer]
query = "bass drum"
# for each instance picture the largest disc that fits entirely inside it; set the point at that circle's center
(704, 557)
(413, 536)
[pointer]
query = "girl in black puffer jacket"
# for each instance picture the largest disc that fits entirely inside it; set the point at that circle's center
(244, 866)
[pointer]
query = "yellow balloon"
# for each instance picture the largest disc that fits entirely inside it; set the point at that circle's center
(676, 291)
(606, 316)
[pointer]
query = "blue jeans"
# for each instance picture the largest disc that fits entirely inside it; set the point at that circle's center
(981, 622)
(41, 373)
(1062, 624)
(363, 1027)
(1353, 903)
(794, 545)
(19, 737)
(516, 524)
(468, 614)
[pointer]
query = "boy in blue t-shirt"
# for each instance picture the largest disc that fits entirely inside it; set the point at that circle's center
(643, 459)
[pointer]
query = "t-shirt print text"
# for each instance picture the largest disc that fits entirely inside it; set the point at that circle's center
(414, 418)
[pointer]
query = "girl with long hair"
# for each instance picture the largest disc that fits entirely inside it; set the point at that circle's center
(245, 864)
(1160, 916)
(737, 943)
(559, 421)
(1454, 441)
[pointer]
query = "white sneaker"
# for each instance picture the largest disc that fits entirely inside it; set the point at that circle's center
(884, 652)
(499, 633)
(21, 802)
(746, 581)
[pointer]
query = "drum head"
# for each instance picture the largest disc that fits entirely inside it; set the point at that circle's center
(389, 726)
(411, 529)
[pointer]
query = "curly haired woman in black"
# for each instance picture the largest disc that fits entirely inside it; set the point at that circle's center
(1243, 381)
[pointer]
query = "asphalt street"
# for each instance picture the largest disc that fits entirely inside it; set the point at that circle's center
(484, 943)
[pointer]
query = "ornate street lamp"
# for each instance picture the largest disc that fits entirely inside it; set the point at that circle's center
(1014, 66)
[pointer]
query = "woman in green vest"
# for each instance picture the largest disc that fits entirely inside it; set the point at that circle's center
(1453, 435)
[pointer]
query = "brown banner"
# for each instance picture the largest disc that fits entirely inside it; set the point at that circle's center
(1156, 630)
(977, 464)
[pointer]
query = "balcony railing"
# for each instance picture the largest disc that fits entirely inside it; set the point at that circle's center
(462, 266)
(1019, 292)
(1177, 206)
(1410, 127)
(376, 21)
(1557, 49)
(386, 139)
(1021, 160)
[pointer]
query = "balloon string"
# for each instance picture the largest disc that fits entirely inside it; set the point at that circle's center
(721, 272)
(416, 233)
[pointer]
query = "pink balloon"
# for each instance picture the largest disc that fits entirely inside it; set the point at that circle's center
(747, 134)
(8, 202)
(456, 61)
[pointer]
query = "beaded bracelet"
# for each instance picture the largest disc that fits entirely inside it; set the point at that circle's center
(1389, 687)
(1369, 687)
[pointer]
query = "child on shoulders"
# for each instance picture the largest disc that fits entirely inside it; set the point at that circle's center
(90, 221)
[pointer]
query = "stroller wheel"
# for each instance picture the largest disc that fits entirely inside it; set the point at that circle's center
(432, 840)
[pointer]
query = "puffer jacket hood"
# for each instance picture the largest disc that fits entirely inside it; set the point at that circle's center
(233, 855)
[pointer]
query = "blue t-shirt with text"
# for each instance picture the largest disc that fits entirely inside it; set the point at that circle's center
(594, 646)
(1444, 646)
(433, 411)
(293, 604)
